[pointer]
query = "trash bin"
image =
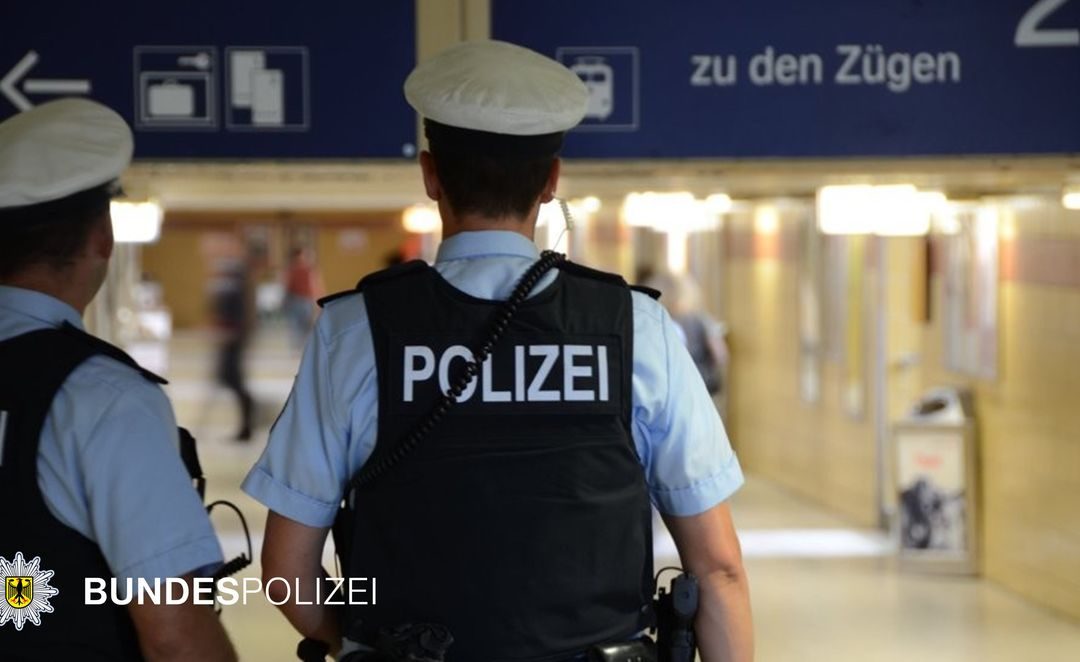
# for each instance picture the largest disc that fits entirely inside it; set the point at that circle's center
(935, 455)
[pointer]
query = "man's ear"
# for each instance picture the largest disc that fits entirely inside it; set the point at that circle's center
(101, 238)
(432, 185)
(548, 194)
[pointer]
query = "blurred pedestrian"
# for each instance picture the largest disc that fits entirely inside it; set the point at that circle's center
(234, 319)
(702, 334)
(303, 286)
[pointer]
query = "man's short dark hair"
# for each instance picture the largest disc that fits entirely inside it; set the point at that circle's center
(489, 174)
(51, 233)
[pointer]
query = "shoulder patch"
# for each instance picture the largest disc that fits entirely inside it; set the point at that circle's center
(655, 294)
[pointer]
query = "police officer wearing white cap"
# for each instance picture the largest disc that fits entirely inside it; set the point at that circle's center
(514, 511)
(90, 477)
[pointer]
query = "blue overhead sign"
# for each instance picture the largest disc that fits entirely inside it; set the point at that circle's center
(790, 78)
(242, 79)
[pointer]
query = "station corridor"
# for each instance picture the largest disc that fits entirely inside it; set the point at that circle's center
(821, 590)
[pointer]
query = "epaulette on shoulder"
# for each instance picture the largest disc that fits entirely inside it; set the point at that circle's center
(655, 294)
(396, 271)
(335, 296)
(99, 346)
(589, 272)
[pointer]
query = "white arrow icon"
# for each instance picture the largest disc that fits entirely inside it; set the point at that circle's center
(36, 85)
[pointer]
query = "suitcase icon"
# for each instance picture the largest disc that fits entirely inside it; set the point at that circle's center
(171, 99)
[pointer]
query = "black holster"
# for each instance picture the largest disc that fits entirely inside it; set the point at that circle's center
(675, 612)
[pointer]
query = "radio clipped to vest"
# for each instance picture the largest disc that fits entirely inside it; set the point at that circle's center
(190, 457)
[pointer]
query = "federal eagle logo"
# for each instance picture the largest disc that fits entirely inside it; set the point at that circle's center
(20, 591)
(26, 591)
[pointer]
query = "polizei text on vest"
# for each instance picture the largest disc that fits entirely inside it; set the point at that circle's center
(530, 373)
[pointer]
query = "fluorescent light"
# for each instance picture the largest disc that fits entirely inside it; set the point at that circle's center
(421, 219)
(889, 211)
(1071, 199)
(845, 210)
(718, 203)
(640, 210)
(590, 204)
(934, 201)
(766, 219)
(668, 212)
(1023, 202)
(676, 215)
(136, 222)
(900, 212)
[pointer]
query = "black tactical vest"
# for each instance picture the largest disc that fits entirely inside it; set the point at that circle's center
(522, 521)
(35, 366)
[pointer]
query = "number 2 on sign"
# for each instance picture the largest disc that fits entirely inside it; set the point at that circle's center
(1029, 34)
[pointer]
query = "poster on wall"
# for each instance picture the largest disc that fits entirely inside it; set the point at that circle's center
(970, 288)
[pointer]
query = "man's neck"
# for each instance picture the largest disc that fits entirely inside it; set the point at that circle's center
(478, 224)
(63, 286)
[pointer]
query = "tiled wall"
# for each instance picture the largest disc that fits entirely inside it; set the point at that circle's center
(1028, 417)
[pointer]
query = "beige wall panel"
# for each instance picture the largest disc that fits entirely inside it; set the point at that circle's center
(178, 262)
(347, 254)
(348, 246)
(814, 450)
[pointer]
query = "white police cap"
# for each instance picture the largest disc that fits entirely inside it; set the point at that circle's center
(61, 148)
(497, 87)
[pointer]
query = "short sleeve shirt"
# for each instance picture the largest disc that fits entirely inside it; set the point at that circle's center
(329, 425)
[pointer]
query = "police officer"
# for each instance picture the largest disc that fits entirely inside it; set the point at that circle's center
(519, 519)
(90, 477)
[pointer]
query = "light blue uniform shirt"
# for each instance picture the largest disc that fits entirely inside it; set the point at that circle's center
(329, 425)
(108, 461)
